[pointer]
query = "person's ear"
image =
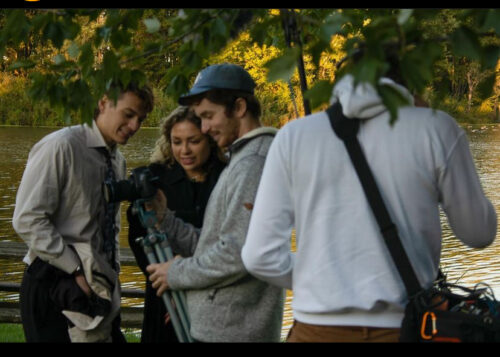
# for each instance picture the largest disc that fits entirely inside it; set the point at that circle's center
(240, 107)
(102, 103)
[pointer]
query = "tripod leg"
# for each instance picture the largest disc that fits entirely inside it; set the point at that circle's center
(178, 327)
(179, 297)
(180, 303)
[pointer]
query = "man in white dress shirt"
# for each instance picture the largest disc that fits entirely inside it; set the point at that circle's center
(70, 289)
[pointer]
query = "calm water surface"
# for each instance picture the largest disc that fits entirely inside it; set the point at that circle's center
(467, 265)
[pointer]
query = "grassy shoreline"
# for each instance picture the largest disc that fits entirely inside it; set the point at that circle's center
(13, 333)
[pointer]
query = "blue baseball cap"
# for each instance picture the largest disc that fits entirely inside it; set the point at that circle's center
(220, 76)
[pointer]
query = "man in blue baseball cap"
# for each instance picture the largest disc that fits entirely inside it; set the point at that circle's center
(223, 97)
(220, 76)
(225, 303)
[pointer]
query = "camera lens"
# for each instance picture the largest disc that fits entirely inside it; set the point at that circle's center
(120, 191)
(140, 184)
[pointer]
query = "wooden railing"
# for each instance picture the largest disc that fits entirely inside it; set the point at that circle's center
(18, 250)
(9, 311)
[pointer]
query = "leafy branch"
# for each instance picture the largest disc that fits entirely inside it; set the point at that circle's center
(93, 48)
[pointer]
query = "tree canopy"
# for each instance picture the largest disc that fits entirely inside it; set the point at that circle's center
(73, 55)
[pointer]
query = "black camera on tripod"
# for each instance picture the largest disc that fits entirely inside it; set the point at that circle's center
(142, 184)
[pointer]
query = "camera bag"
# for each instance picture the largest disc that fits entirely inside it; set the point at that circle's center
(444, 312)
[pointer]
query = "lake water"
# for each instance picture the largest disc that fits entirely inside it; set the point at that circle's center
(467, 265)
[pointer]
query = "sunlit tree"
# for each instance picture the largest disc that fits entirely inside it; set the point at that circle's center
(93, 48)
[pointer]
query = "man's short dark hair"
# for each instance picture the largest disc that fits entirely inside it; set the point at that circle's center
(227, 98)
(144, 93)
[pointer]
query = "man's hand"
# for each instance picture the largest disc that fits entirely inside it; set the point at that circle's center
(158, 274)
(157, 204)
(83, 284)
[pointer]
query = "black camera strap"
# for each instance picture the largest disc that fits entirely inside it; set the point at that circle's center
(346, 129)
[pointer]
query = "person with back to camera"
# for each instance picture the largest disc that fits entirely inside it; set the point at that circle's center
(346, 287)
(188, 164)
(225, 303)
(70, 289)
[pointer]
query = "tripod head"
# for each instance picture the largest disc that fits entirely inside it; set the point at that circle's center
(147, 218)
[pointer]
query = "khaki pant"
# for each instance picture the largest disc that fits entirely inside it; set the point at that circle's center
(301, 332)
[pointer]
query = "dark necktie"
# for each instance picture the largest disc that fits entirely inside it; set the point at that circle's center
(109, 215)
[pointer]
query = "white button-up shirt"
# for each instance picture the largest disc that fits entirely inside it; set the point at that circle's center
(60, 200)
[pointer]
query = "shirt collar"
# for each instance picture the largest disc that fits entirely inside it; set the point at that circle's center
(96, 140)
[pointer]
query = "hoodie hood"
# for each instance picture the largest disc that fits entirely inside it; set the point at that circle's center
(362, 101)
(240, 142)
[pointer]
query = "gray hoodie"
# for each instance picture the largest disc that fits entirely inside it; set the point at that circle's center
(225, 303)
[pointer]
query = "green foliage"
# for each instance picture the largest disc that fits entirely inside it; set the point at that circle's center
(202, 33)
(283, 67)
(320, 93)
(73, 55)
(392, 99)
(16, 107)
(163, 106)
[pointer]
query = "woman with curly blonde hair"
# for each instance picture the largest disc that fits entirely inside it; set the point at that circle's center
(163, 151)
(188, 164)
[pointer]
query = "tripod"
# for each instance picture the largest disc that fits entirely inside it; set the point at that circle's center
(158, 250)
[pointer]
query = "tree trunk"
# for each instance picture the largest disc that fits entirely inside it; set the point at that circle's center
(471, 84)
(497, 110)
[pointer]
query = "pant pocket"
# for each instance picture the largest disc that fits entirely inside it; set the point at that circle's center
(41, 270)
(67, 295)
